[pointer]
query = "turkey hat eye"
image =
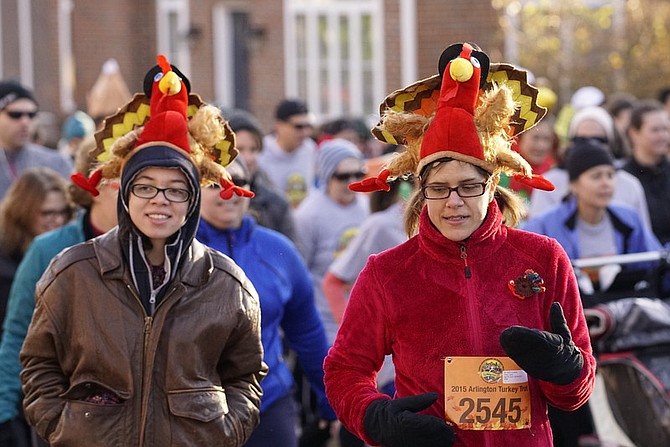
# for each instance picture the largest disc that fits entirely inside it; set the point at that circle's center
(152, 76)
(453, 51)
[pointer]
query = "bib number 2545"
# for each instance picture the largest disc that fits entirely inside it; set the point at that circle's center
(483, 411)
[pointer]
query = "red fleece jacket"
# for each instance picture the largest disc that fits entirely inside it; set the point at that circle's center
(416, 303)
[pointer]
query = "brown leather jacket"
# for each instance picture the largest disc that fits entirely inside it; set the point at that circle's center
(99, 372)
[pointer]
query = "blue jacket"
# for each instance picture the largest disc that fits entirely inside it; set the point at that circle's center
(21, 305)
(275, 268)
(630, 235)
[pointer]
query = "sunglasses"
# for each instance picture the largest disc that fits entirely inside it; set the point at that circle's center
(17, 115)
(348, 176)
(239, 181)
(301, 126)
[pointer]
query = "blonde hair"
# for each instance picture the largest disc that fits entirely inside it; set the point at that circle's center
(84, 161)
(21, 204)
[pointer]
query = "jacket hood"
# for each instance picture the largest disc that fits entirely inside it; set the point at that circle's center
(133, 241)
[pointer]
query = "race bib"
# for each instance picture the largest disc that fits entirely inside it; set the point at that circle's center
(486, 393)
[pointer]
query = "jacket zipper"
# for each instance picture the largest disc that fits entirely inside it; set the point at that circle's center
(473, 317)
(464, 257)
(148, 323)
(148, 326)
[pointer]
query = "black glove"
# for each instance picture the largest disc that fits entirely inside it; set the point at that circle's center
(549, 356)
(315, 436)
(394, 423)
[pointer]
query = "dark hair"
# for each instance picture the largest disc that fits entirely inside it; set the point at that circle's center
(290, 107)
(618, 102)
(640, 110)
(21, 205)
(242, 120)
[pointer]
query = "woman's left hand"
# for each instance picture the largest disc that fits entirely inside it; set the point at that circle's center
(549, 356)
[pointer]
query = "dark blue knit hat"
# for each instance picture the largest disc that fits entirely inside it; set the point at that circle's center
(584, 154)
(11, 90)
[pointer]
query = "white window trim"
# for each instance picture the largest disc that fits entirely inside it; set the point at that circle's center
(408, 42)
(26, 43)
(333, 10)
(223, 56)
(182, 10)
(65, 56)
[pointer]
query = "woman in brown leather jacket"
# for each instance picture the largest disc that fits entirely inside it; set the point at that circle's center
(144, 336)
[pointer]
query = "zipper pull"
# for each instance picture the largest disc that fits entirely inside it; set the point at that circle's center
(152, 301)
(464, 257)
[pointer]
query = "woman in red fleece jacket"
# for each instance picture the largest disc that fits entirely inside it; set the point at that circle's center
(484, 321)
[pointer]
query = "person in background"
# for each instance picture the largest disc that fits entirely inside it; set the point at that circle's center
(330, 217)
(18, 109)
(326, 221)
(268, 206)
(75, 128)
(468, 299)
(284, 287)
(539, 147)
(588, 225)
(649, 134)
(595, 123)
(96, 216)
(173, 353)
(381, 230)
(36, 203)
(620, 105)
(289, 152)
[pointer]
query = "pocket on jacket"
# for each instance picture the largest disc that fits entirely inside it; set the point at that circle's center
(199, 416)
(83, 423)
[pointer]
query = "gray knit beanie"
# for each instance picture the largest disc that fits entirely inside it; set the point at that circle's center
(331, 153)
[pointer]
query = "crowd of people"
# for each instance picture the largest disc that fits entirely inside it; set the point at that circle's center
(319, 283)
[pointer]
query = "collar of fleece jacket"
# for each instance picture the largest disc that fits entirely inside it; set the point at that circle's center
(489, 237)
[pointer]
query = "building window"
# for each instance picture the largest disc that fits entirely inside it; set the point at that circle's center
(173, 28)
(333, 55)
(233, 34)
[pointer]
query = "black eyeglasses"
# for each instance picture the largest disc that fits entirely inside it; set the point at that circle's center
(18, 114)
(438, 191)
(176, 195)
(348, 176)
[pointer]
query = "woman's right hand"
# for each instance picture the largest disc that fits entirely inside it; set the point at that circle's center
(395, 423)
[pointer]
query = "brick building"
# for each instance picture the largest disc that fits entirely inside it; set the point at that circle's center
(341, 56)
